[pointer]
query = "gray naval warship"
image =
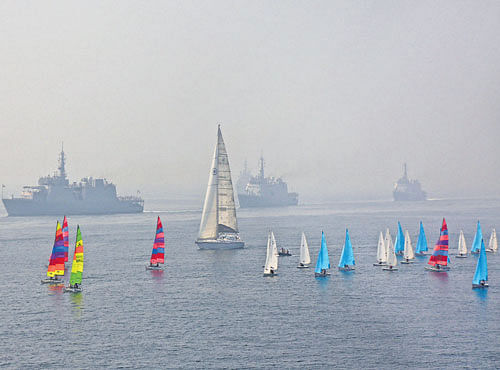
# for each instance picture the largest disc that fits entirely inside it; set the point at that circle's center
(54, 195)
(408, 190)
(261, 191)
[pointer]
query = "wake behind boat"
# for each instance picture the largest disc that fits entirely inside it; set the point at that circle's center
(219, 227)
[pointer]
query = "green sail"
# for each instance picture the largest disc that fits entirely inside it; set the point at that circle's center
(77, 266)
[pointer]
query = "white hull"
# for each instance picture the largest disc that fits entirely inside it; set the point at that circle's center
(346, 269)
(441, 269)
(155, 268)
(490, 250)
(72, 290)
(380, 264)
(52, 281)
(389, 269)
(271, 275)
(303, 266)
(461, 256)
(219, 244)
(407, 262)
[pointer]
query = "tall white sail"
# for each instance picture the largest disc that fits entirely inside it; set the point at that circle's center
(462, 247)
(408, 252)
(387, 242)
(267, 266)
(219, 210)
(305, 258)
(274, 250)
(271, 255)
(493, 245)
(391, 254)
(381, 251)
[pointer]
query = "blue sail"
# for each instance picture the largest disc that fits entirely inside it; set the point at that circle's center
(482, 266)
(422, 240)
(399, 244)
(323, 261)
(476, 244)
(347, 257)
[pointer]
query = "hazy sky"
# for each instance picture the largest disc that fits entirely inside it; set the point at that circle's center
(337, 94)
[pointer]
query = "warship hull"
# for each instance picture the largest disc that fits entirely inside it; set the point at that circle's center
(250, 201)
(29, 207)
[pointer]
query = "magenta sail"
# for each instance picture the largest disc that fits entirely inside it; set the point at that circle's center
(158, 255)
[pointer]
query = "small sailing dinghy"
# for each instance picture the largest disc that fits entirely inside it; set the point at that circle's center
(346, 262)
(462, 247)
(408, 253)
(56, 262)
(284, 252)
(399, 243)
(323, 261)
(480, 279)
(476, 244)
(381, 249)
(392, 260)
(304, 258)
(75, 279)
(65, 233)
(493, 245)
(158, 253)
(439, 258)
(218, 226)
(421, 242)
(271, 266)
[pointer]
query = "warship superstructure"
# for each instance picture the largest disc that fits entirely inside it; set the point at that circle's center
(408, 190)
(261, 191)
(54, 195)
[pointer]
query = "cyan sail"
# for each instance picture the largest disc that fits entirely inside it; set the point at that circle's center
(482, 266)
(476, 244)
(399, 245)
(347, 257)
(422, 240)
(323, 261)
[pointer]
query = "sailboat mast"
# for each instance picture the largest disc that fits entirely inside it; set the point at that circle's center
(217, 183)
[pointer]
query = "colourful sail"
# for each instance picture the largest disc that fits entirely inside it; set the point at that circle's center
(422, 241)
(399, 244)
(347, 257)
(482, 266)
(65, 238)
(77, 267)
(158, 255)
(323, 261)
(440, 254)
(476, 244)
(56, 262)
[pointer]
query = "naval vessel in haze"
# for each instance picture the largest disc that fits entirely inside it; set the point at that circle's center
(408, 190)
(54, 195)
(261, 191)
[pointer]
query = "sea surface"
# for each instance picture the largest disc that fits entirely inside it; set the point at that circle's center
(214, 309)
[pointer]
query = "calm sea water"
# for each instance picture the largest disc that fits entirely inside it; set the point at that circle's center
(215, 309)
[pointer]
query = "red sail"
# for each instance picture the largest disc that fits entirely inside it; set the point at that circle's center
(440, 254)
(158, 255)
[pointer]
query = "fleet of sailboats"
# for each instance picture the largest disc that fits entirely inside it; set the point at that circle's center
(304, 257)
(219, 226)
(346, 262)
(462, 247)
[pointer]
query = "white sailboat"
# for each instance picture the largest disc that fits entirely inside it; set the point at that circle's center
(381, 251)
(271, 266)
(305, 258)
(462, 247)
(219, 227)
(408, 252)
(493, 245)
(392, 260)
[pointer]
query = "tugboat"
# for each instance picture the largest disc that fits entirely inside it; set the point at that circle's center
(261, 191)
(55, 195)
(408, 190)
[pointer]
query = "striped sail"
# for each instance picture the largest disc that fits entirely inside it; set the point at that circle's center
(65, 238)
(476, 244)
(77, 266)
(440, 254)
(347, 257)
(323, 261)
(422, 240)
(158, 254)
(56, 262)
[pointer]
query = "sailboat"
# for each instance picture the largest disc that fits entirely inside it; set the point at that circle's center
(392, 260)
(439, 258)
(381, 251)
(399, 243)
(346, 262)
(323, 261)
(476, 244)
(56, 262)
(75, 279)
(219, 227)
(304, 258)
(493, 245)
(462, 247)
(422, 242)
(158, 253)
(271, 266)
(408, 253)
(65, 238)
(480, 279)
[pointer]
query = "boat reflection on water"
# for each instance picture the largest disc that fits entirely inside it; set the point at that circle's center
(481, 294)
(157, 275)
(76, 300)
